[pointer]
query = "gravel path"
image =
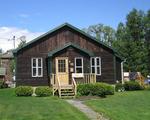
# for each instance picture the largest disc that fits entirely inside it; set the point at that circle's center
(85, 109)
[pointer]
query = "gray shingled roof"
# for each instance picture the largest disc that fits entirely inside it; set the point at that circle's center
(7, 54)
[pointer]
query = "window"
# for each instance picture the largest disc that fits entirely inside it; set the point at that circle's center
(79, 65)
(96, 65)
(61, 66)
(37, 67)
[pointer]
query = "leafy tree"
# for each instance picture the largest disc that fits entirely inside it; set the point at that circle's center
(130, 42)
(103, 33)
(22, 41)
(147, 37)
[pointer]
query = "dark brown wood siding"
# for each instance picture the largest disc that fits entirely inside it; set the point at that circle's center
(57, 39)
(118, 70)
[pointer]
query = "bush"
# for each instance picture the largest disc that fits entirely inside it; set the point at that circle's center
(97, 89)
(43, 91)
(119, 87)
(147, 87)
(132, 85)
(109, 89)
(84, 89)
(24, 91)
(3, 84)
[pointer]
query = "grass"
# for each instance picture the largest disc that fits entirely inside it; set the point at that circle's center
(124, 106)
(36, 108)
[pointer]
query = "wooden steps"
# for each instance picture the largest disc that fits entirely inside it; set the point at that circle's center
(65, 91)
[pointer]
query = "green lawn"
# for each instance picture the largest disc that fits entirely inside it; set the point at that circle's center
(36, 108)
(124, 106)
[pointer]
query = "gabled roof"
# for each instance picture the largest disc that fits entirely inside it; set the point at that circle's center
(51, 53)
(7, 55)
(72, 27)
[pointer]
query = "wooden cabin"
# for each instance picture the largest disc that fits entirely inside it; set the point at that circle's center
(64, 57)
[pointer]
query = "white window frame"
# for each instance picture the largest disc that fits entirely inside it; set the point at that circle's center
(37, 67)
(79, 66)
(95, 64)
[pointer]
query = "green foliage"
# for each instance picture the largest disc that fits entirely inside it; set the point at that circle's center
(119, 87)
(97, 89)
(3, 84)
(131, 42)
(84, 89)
(12, 65)
(132, 85)
(147, 87)
(43, 91)
(103, 33)
(24, 91)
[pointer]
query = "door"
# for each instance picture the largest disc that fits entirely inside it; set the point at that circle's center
(62, 70)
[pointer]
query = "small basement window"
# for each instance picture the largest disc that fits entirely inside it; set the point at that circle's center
(37, 67)
(78, 65)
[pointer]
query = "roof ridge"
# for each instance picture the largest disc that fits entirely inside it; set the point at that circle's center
(72, 27)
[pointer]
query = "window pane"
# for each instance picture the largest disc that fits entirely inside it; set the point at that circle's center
(61, 66)
(98, 70)
(93, 70)
(93, 62)
(98, 61)
(34, 71)
(34, 62)
(39, 63)
(78, 62)
(78, 70)
(39, 71)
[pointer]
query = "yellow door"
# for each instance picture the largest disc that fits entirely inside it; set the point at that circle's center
(62, 70)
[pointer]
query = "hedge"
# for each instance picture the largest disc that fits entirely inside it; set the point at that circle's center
(24, 91)
(43, 91)
(132, 85)
(119, 87)
(96, 89)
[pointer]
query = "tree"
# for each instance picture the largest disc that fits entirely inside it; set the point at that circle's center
(131, 42)
(147, 37)
(103, 33)
(22, 41)
(135, 25)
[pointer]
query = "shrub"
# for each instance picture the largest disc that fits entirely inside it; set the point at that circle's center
(97, 89)
(132, 85)
(84, 89)
(43, 91)
(119, 87)
(24, 91)
(147, 87)
(109, 89)
(3, 84)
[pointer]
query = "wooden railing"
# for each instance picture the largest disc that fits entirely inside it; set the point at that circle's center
(74, 85)
(55, 82)
(58, 84)
(52, 79)
(87, 78)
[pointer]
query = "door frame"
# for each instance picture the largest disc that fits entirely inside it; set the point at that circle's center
(66, 69)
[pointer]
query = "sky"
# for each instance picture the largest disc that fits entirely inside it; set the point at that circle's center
(32, 18)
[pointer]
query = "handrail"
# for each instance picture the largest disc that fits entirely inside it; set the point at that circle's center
(75, 85)
(55, 82)
(59, 86)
